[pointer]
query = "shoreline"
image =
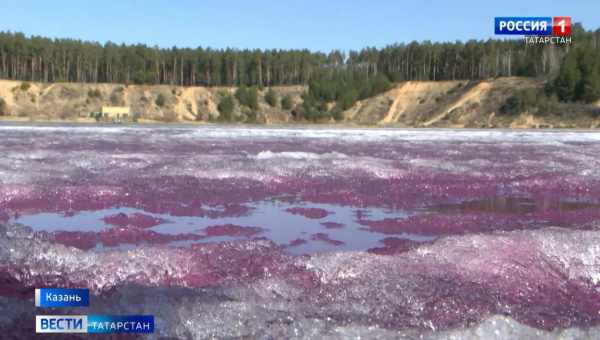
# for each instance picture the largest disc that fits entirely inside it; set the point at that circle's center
(300, 126)
(409, 104)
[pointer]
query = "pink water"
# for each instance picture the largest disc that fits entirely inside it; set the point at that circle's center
(305, 232)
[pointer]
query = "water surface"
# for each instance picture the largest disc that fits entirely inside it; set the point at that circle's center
(372, 232)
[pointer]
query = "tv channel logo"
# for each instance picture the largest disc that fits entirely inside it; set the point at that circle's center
(62, 297)
(99, 324)
(61, 324)
(533, 26)
(120, 324)
(561, 26)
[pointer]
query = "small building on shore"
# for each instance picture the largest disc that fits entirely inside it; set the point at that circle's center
(115, 113)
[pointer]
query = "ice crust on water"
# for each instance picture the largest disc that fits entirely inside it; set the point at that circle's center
(408, 134)
(33, 261)
(489, 273)
(300, 155)
(170, 150)
(357, 134)
(312, 213)
(237, 288)
(137, 220)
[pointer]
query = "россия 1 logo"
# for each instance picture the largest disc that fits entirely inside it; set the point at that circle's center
(537, 30)
(561, 26)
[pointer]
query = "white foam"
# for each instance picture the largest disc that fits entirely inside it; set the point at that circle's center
(339, 134)
(357, 134)
(299, 155)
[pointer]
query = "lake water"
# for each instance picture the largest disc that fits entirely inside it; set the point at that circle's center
(371, 232)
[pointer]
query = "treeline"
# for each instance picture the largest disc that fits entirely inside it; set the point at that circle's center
(67, 60)
(328, 95)
(335, 80)
(577, 80)
(247, 99)
(579, 76)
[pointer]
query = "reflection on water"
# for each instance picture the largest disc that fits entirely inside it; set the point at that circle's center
(297, 232)
(280, 226)
(287, 228)
(512, 205)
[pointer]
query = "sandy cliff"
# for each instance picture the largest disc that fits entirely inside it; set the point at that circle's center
(69, 101)
(410, 104)
(473, 104)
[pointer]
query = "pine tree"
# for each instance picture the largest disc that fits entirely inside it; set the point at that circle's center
(226, 107)
(566, 83)
(271, 97)
(252, 98)
(3, 107)
(241, 94)
(590, 82)
(286, 102)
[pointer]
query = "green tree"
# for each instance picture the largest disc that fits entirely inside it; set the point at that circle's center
(247, 96)
(241, 94)
(337, 115)
(51, 60)
(2, 107)
(369, 71)
(226, 107)
(379, 84)
(565, 84)
(253, 98)
(347, 99)
(591, 85)
(286, 102)
(512, 105)
(160, 100)
(529, 100)
(94, 93)
(271, 97)
(589, 89)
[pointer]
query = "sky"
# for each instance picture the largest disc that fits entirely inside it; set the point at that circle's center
(317, 25)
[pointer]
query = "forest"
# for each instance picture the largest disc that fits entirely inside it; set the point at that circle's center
(572, 72)
(67, 60)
